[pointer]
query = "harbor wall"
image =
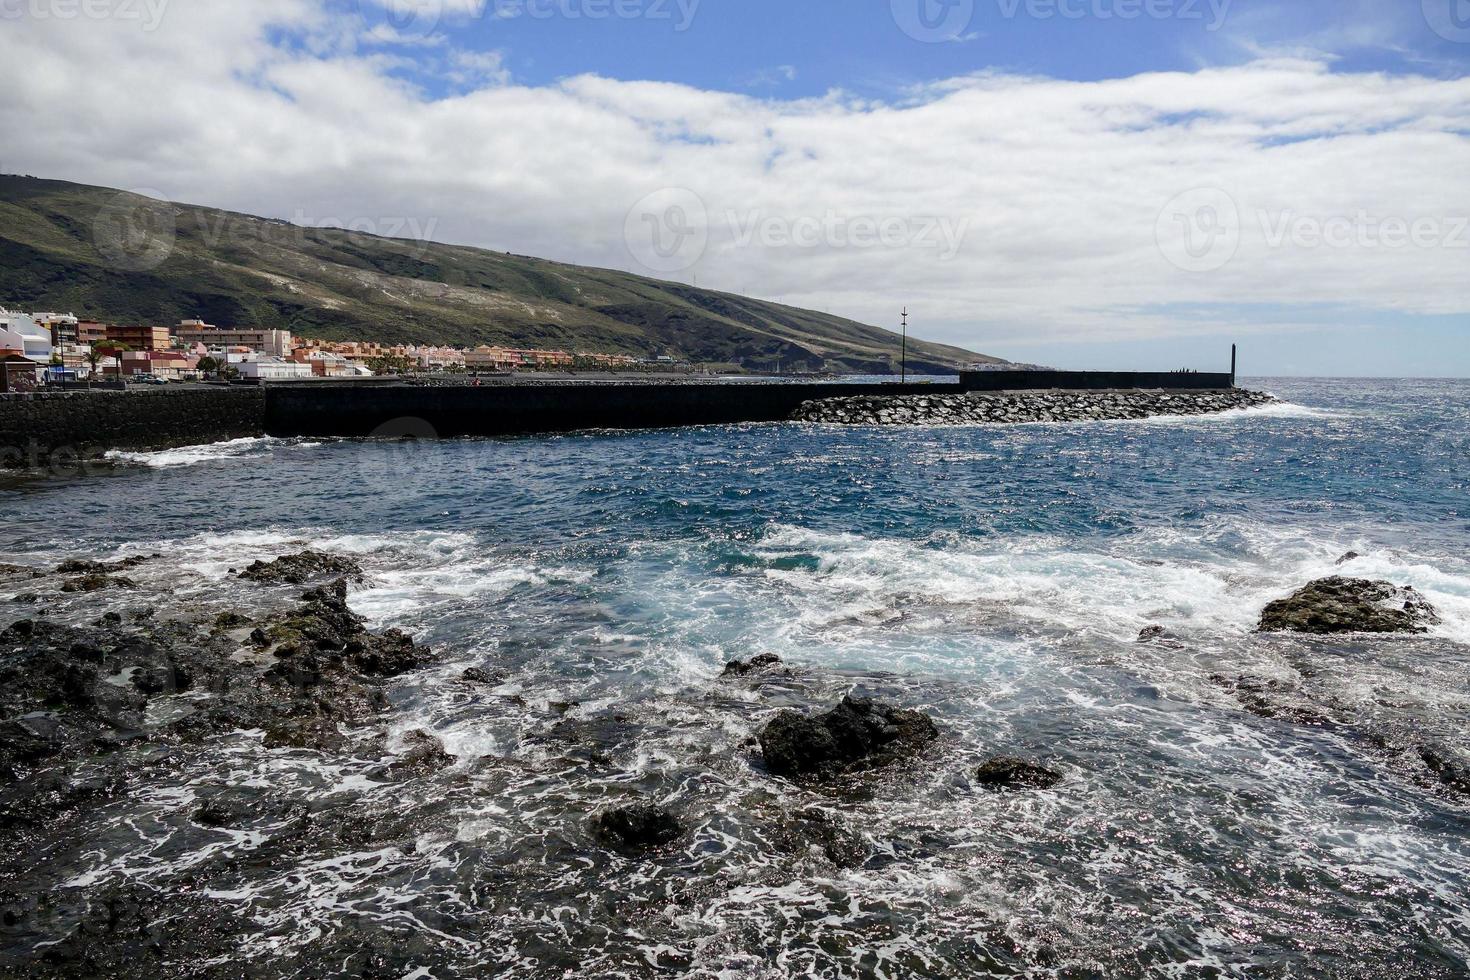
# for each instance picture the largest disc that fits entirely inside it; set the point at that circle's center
(48, 428)
(1094, 381)
(37, 428)
(516, 409)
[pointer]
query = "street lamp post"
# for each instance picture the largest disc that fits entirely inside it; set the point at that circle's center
(903, 361)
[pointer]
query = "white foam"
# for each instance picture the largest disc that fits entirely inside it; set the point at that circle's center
(259, 447)
(1274, 410)
(1215, 583)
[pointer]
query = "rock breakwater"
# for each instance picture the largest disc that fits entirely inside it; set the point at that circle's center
(1023, 406)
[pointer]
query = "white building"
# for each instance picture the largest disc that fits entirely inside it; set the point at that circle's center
(265, 368)
(24, 334)
(275, 342)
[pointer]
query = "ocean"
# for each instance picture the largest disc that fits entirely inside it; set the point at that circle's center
(1233, 803)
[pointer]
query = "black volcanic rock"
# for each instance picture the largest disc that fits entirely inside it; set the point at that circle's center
(300, 568)
(1009, 773)
(423, 755)
(816, 830)
(638, 827)
(1011, 407)
(1449, 769)
(318, 734)
(760, 663)
(479, 675)
(1349, 605)
(77, 566)
(857, 734)
(96, 582)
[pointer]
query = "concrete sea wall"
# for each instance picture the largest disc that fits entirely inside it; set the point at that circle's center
(1094, 381)
(37, 429)
(50, 427)
(513, 409)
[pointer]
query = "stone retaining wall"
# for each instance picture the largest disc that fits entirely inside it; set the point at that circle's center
(50, 427)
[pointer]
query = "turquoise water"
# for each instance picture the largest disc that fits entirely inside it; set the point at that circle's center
(996, 577)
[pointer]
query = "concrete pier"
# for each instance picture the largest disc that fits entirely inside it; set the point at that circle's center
(81, 424)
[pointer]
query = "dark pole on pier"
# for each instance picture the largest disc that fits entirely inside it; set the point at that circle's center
(1232, 365)
(903, 360)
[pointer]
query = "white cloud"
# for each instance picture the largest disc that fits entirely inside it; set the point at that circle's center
(1059, 185)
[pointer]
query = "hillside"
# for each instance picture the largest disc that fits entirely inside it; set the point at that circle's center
(123, 258)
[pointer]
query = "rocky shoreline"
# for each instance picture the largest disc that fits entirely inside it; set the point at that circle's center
(1024, 406)
(98, 715)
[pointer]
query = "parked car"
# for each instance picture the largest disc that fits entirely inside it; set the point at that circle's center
(149, 379)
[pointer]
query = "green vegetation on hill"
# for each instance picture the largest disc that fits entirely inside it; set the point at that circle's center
(119, 257)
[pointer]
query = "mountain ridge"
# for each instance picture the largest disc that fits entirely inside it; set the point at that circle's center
(118, 256)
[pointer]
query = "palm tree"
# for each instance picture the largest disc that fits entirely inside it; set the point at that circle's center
(95, 355)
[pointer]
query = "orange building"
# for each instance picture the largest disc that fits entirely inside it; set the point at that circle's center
(141, 338)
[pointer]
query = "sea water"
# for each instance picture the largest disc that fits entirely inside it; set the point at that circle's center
(995, 577)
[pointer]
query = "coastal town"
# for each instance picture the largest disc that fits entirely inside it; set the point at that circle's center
(39, 349)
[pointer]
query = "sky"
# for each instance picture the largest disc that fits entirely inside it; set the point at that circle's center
(1079, 183)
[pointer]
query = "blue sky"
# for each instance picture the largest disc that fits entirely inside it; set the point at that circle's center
(804, 49)
(798, 48)
(1052, 181)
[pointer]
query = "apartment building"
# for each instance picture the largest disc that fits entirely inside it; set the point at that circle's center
(276, 343)
(140, 338)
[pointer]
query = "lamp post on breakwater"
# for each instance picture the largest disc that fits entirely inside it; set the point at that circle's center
(903, 357)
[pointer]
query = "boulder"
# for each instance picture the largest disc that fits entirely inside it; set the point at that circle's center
(96, 582)
(230, 621)
(317, 734)
(638, 827)
(1452, 771)
(388, 654)
(423, 755)
(1005, 772)
(758, 664)
(816, 831)
(479, 675)
(1348, 605)
(84, 567)
(300, 568)
(857, 734)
